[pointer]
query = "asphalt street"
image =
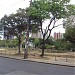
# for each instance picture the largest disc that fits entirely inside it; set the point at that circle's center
(18, 67)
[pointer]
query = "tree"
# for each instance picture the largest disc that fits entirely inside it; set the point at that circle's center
(15, 24)
(70, 34)
(69, 26)
(52, 10)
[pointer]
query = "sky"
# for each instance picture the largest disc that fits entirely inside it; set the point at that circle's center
(10, 6)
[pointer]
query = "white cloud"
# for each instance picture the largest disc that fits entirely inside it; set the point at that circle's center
(72, 1)
(10, 6)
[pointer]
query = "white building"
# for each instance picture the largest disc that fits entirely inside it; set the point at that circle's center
(1, 33)
(38, 34)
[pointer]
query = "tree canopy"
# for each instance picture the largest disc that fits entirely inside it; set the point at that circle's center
(50, 9)
(70, 30)
(15, 24)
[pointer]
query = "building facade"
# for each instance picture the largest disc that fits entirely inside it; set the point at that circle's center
(58, 35)
(38, 34)
(1, 33)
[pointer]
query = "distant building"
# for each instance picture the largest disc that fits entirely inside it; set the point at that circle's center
(38, 34)
(58, 36)
(1, 33)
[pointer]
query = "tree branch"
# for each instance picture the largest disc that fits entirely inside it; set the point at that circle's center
(55, 26)
(49, 25)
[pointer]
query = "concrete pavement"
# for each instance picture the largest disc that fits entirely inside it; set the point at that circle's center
(57, 62)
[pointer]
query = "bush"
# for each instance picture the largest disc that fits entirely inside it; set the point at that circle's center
(10, 43)
(2, 43)
(49, 46)
(63, 45)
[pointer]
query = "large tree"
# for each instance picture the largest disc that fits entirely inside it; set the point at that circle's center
(15, 24)
(53, 10)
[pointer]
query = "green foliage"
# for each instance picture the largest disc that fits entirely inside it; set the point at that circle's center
(36, 42)
(70, 34)
(70, 30)
(63, 45)
(50, 41)
(57, 44)
(49, 46)
(39, 8)
(11, 43)
(45, 8)
(68, 46)
(14, 23)
(39, 42)
(2, 43)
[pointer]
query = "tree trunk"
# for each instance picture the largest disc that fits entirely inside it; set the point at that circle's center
(42, 54)
(19, 52)
(27, 40)
(43, 47)
(19, 46)
(26, 49)
(26, 46)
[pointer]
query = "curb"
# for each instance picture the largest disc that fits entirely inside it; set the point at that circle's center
(37, 61)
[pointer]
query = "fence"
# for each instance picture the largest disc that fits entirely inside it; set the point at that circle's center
(35, 53)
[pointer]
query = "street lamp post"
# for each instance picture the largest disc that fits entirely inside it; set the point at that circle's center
(27, 37)
(26, 42)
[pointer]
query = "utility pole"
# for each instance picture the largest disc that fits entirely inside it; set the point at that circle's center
(27, 36)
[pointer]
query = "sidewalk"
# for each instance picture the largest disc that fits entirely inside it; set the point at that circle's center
(47, 61)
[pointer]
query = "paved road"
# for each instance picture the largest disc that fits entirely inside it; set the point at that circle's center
(18, 67)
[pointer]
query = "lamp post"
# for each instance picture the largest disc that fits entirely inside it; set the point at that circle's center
(27, 36)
